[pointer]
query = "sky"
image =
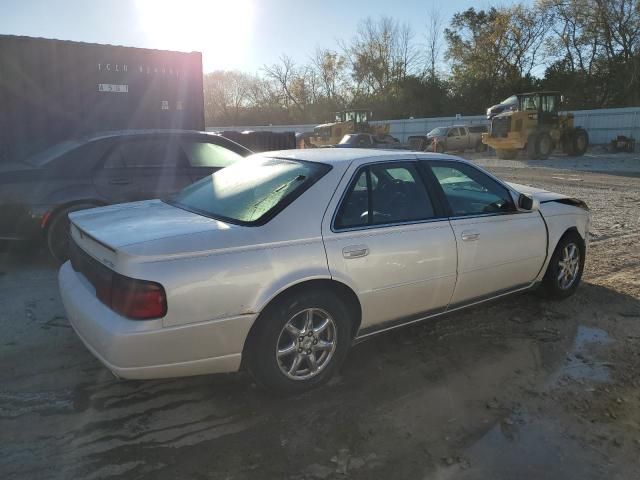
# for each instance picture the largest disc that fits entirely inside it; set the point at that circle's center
(232, 34)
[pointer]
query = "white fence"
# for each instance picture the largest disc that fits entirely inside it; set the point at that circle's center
(603, 125)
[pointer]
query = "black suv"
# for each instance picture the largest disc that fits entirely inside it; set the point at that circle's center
(38, 193)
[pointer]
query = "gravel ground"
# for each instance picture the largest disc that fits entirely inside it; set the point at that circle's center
(521, 388)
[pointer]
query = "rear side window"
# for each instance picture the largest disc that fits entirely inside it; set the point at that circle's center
(384, 194)
(202, 154)
(146, 153)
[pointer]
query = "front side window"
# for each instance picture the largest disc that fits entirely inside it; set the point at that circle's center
(469, 191)
(250, 191)
(383, 194)
(202, 154)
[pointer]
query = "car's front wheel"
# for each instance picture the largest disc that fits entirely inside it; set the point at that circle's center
(565, 267)
(299, 341)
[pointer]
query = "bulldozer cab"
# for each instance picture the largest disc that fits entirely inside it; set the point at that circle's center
(359, 118)
(543, 106)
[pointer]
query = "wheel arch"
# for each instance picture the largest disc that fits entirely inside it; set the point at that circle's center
(344, 292)
(53, 213)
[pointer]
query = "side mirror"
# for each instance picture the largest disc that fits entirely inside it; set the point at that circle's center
(527, 202)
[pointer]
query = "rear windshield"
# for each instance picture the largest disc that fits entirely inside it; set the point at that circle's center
(251, 191)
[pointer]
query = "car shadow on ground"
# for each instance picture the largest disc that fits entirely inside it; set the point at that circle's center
(406, 402)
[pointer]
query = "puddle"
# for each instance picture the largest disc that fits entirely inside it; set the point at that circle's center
(580, 364)
(523, 447)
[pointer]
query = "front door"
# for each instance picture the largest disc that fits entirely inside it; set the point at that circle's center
(389, 242)
(453, 139)
(499, 247)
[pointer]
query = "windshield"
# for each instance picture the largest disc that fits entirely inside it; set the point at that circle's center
(438, 132)
(251, 191)
(347, 139)
(43, 157)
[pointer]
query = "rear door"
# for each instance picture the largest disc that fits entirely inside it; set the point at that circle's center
(142, 168)
(499, 247)
(389, 241)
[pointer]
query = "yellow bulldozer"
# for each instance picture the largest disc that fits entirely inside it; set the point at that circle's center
(535, 127)
(345, 122)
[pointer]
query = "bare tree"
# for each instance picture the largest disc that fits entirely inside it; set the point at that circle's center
(226, 95)
(286, 76)
(434, 41)
(329, 67)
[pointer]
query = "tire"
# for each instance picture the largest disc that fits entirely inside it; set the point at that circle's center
(58, 234)
(544, 146)
(532, 147)
(554, 284)
(273, 332)
(567, 143)
(480, 147)
(506, 154)
(579, 142)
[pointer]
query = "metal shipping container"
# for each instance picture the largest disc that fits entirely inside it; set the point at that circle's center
(53, 90)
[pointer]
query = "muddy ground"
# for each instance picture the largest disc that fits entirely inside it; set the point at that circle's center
(521, 388)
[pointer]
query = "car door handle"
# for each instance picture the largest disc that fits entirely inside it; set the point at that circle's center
(355, 251)
(119, 181)
(469, 236)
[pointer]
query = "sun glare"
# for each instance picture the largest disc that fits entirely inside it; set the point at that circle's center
(220, 29)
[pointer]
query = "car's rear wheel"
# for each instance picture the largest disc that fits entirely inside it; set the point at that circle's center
(299, 341)
(565, 267)
(59, 234)
(480, 147)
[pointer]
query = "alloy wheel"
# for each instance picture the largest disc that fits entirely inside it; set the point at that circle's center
(569, 265)
(306, 344)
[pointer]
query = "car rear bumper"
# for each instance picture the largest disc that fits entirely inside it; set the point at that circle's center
(145, 349)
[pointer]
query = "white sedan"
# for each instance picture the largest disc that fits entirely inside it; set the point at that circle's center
(280, 262)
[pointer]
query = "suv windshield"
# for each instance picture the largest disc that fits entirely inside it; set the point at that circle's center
(251, 191)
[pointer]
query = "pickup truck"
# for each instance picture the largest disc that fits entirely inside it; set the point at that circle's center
(455, 138)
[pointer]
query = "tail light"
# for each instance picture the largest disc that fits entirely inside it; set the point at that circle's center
(137, 299)
(129, 297)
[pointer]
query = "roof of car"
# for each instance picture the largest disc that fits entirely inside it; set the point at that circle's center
(125, 133)
(347, 155)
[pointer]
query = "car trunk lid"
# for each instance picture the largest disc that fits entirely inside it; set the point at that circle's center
(150, 230)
